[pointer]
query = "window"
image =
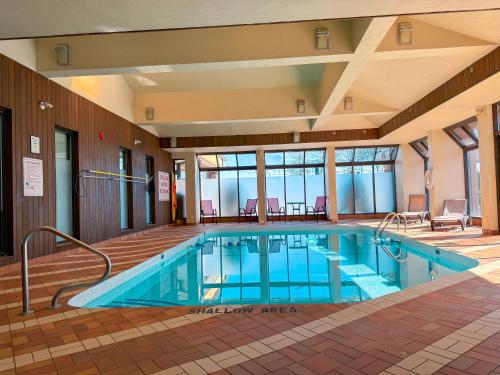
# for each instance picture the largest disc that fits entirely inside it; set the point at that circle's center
(365, 179)
(228, 180)
(125, 167)
(150, 192)
(64, 144)
(421, 146)
(180, 187)
(466, 136)
(5, 212)
(295, 177)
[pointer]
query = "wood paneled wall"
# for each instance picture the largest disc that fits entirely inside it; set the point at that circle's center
(21, 90)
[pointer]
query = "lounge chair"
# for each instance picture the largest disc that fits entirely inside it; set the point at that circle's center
(273, 209)
(319, 208)
(207, 211)
(249, 210)
(454, 213)
(417, 208)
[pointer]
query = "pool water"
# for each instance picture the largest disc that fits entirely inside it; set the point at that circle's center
(275, 267)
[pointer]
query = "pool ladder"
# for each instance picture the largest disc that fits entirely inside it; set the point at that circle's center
(388, 219)
(398, 258)
(55, 300)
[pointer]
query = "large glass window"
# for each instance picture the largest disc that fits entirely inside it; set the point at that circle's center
(150, 195)
(228, 180)
(466, 135)
(64, 182)
(296, 178)
(365, 179)
(125, 167)
(180, 187)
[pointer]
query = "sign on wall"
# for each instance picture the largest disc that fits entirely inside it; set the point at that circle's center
(35, 145)
(33, 177)
(163, 186)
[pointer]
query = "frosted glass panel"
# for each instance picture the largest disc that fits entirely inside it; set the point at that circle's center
(315, 184)
(294, 157)
(275, 158)
(64, 184)
(294, 187)
(209, 186)
(149, 194)
(363, 189)
(345, 198)
(384, 188)
(248, 186)
(473, 175)
(124, 224)
(228, 193)
(275, 185)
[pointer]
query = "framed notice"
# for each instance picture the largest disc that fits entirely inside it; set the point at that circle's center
(33, 177)
(163, 186)
(35, 145)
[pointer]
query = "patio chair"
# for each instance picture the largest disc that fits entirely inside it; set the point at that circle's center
(417, 204)
(319, 207)
(249, 210)
(454, 213)
(207, 211)
(273, 209)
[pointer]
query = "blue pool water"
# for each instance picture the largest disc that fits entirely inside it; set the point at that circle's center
(288, 265)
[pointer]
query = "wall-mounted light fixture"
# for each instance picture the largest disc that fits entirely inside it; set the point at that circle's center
(301, 106)
(405, 33)
(62, 54)
(296, 137)
(45, 105)
(322, 38)
(137, 142)
(348, 103)
(150, 113)
(173, 142)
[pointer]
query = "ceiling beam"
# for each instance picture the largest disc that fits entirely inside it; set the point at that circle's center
(371, 33)
(270, 139)
(479, 71)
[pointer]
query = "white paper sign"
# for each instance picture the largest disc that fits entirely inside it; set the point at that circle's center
(35, 145)
(163, 186)
(33, 177)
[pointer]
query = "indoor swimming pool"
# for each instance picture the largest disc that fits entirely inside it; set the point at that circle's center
(302, 265)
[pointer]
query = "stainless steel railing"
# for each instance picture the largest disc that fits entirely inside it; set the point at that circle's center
(388, 219)
(55, 300)
(398, 258)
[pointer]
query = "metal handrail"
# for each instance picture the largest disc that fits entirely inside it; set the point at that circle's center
(391, 216)
(383, 220)
(389, 253)
(55, 300)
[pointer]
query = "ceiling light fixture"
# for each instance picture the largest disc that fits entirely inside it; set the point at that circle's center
(62, 54)
(348, 103)
(301, 106)
(405, 33)
(150, 113)
(322, 36)
(137, 142)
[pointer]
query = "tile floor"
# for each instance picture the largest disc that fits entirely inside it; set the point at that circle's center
(451, 326)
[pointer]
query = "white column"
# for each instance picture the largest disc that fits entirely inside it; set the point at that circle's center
(261, 185)
(487, 170)
(409, 173)
(446, 161)
(331, 184)
(192, 189)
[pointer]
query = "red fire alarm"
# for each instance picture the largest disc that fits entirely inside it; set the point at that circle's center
(101, 135)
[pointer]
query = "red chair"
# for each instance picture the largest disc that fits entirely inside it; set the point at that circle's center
(319, 207)
(273, 208)
(208, 211)
(249, 211)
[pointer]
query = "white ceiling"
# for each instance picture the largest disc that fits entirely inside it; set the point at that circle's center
(28, 18)
(230, 79)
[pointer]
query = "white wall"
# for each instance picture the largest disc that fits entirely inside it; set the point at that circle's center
(23, 51)
(447, 163)
(110, 92)
(409, 175)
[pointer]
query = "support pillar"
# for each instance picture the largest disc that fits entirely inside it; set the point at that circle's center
(331, 184)
(488, 181)
(261, 186)
(409, 173)
(192, 189)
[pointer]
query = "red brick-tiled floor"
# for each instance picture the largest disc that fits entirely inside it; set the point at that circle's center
(448, 327)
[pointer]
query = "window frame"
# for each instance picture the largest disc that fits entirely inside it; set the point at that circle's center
(218, 169)
(302, 166)
(152, 195)
(130, 190)
(371, 163)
